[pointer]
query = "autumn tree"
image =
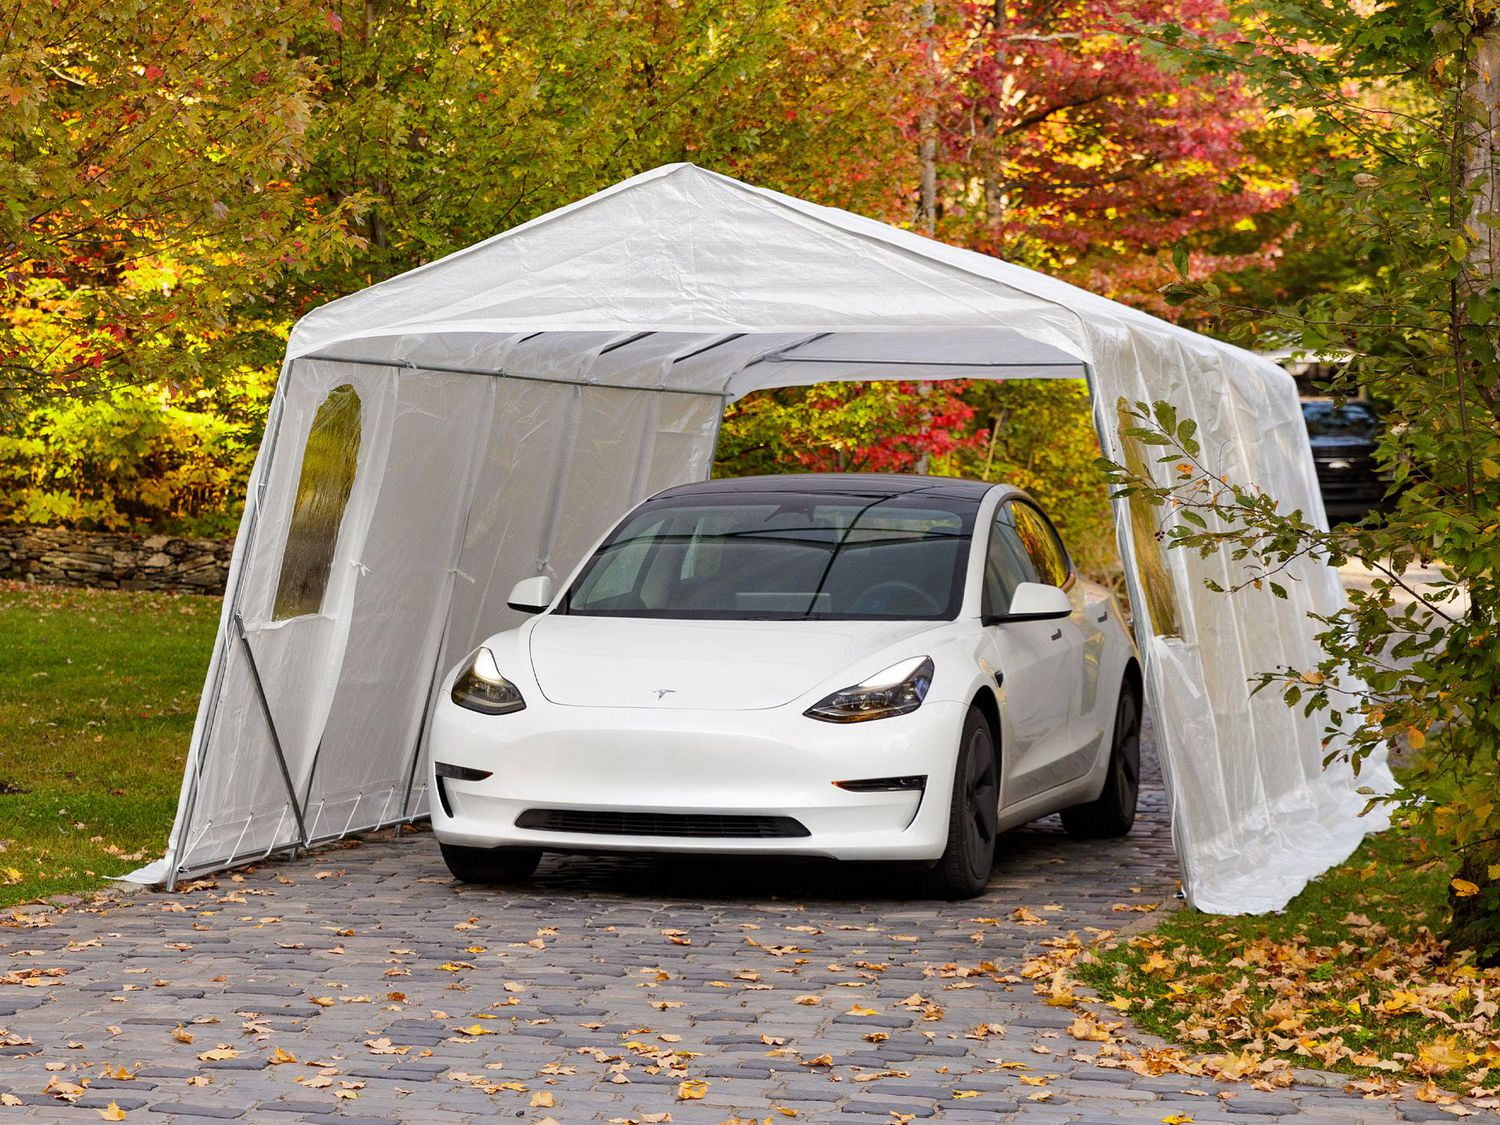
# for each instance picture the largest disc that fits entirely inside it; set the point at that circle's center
(450, 121)
(184, 180)
(1408, 98)
(1068, 142)
(150, 159)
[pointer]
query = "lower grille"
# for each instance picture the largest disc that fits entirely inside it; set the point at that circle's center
(706, 826)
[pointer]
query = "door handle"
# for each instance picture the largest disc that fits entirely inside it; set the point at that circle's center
(1057, 634)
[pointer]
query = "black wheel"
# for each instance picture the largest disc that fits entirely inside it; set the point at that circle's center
(494, 866)
(973, 817)
(1113, 813)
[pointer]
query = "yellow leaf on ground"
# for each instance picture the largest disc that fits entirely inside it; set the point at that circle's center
(180, 1035)
(691, 1090)
(1156, 963)
(279, 1056)
(542, 1099)
(219, 1054)
(1463, 888)
(112, 1112)
(1176, 1119)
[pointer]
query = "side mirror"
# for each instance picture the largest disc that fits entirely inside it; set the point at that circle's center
(1034, 601)
(531, 595)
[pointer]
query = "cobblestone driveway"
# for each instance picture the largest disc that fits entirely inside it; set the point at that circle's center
(393, 994)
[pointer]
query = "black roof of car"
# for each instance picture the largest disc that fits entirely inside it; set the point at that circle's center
(836, 484)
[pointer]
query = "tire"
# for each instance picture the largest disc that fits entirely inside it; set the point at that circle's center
(973, 817)
(497, 867)
(1113, 813)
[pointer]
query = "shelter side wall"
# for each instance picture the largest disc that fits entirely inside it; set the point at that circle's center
(239, 801)
(1254, 813)
(359, 774)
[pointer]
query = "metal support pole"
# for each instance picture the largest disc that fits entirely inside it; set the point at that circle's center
(265, 707)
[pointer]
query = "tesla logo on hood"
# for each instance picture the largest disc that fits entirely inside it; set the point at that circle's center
(665, 691)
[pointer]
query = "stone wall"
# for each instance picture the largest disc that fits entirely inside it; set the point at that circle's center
(61, 557)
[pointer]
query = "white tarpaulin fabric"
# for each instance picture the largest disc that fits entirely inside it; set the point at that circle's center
(514, 398)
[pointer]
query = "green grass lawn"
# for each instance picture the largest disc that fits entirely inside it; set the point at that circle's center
(98, 689)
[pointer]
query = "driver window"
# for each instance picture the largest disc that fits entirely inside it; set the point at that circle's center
(1006, 565)
(1042, 545)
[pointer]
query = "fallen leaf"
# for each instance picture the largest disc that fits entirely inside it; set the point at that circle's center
(691, 1090)
(112, 1112)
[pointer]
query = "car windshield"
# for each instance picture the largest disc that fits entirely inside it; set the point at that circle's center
(780, 556)
(1351, 420)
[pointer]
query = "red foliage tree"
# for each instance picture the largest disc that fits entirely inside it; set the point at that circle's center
(1066, 142)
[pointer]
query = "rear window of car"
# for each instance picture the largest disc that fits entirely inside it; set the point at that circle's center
(1349, 420)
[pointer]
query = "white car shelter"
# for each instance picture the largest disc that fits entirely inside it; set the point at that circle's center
(441, 435)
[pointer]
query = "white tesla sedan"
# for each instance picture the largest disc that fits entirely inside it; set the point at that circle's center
(848, 666)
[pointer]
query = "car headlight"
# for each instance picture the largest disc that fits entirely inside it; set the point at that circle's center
(481, 687)
(896, 691)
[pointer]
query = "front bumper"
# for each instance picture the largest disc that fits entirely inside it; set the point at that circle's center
(773, 763)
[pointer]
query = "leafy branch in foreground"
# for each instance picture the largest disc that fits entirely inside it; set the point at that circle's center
(1403, 102)
(1406, 661)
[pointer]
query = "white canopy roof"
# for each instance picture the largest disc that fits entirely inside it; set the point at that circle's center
(517, 396)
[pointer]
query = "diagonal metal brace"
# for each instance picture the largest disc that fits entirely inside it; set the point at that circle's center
(265, 707)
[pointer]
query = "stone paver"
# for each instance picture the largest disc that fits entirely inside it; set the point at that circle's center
(403, 996)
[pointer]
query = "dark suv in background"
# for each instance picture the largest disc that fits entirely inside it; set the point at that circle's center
(1343, 437)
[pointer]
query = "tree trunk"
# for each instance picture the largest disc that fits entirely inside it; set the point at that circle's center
(994, 200)
(1476, 914)
(927, 124)
(1482, 159)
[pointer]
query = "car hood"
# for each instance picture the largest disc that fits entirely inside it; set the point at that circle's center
(716, 665)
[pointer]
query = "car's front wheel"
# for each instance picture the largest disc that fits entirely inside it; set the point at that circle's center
(493, 866)
(973, 816)
(1113, 813)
